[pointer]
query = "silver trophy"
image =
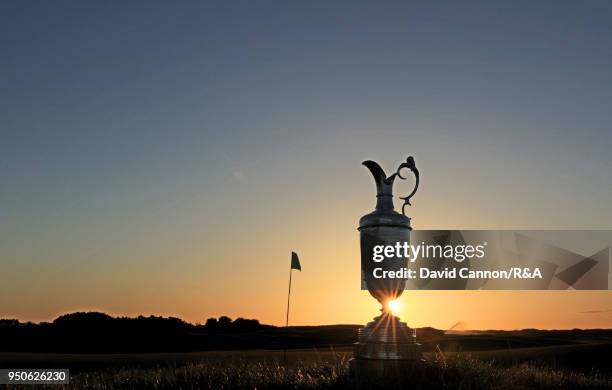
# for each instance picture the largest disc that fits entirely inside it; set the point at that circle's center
(385, 342)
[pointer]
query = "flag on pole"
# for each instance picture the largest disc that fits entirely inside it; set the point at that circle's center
(295, 262)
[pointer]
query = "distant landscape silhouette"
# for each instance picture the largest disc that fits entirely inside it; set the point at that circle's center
(98, 343)
(95, 332)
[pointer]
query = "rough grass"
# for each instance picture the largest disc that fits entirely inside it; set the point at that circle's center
(440, 373)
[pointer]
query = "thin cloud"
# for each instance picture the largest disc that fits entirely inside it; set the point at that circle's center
(235, 172)
(595, 311)
(458, 324)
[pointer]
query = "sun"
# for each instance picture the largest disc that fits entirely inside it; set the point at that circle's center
(394, 306)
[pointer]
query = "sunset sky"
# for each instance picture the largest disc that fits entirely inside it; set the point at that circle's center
(166, 158)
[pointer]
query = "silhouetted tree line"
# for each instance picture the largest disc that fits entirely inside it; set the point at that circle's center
(225, 324)
(9, 322)
(95, 320)
(102, 321)
(95, 332)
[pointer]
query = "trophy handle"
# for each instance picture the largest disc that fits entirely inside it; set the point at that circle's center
(410, 165)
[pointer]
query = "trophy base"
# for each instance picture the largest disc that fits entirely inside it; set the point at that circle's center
(387, 338)
(385, 346)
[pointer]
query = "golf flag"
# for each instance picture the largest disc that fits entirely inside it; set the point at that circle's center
(295, 262)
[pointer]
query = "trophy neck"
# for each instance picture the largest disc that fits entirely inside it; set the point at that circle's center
(384, 203)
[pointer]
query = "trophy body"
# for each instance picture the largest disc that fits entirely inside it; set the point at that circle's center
(385, 343)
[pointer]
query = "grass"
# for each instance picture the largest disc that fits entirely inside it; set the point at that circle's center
(459, 372)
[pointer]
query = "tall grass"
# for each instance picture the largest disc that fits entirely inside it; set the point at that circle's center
(451, 373)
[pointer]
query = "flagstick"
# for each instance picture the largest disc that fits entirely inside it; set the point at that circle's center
(288, 297)
(287, 319)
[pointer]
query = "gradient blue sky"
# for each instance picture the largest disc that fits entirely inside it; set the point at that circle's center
(160, 157)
